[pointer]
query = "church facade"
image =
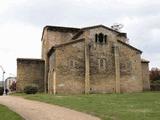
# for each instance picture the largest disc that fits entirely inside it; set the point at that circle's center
(94, 59)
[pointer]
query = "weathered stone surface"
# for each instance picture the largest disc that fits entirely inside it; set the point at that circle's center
(29, 72)
(95, 59)
(102, 72)
(50, 38)
(145, 75)
(68, 62)
(102, 66)
(130, 69)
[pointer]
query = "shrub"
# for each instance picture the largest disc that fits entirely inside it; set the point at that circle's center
(156, 82)
(30, 89)
(13, 86)
(1, 90)
(155, 87)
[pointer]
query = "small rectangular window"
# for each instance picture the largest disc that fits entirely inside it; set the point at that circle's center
(102, 64)
(73, 64)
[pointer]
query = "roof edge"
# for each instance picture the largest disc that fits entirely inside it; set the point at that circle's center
(100, 25)
(144, 61)
(129, 46)
(73, 29)
(30, 59)
(63, 44)
(62, 27)
(59, 28)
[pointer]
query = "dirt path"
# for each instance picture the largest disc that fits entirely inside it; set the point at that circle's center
(33, 110)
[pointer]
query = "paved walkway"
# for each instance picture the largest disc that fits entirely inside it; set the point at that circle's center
(33, 110)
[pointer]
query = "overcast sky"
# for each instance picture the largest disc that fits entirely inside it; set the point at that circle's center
(22, 22)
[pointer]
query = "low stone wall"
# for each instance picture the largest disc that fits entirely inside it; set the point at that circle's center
(30, 71)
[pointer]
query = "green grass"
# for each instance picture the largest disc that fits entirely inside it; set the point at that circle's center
(7, 114)
(135, 106)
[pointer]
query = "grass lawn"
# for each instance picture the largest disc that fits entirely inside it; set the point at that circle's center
(134, 106)
(7, 114)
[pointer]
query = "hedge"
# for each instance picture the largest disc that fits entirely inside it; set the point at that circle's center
(30, 89)
(1, 90)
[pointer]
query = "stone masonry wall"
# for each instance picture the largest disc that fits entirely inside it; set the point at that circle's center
(102, 77)
(70, 68)
(30, 71)
(68, 63)
(130, 69)
(145, 76)
(52, 38)
(52, 68)
(101, 58)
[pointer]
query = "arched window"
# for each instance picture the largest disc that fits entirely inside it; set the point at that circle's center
(73, 64)
(102, 64)
(100, 38)
(96, 38)
(105, 39)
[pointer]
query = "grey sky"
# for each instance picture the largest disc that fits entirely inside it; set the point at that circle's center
(22, 21)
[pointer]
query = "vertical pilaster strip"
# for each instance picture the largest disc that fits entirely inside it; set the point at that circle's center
(54, 82)
(87, 73)
(46, 75)
(44, 57)
(117, 68)
(49, 80)
(54, 74)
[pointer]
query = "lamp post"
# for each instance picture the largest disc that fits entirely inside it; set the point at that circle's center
(4, 92)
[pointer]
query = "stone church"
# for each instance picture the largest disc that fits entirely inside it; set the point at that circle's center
(95, 59)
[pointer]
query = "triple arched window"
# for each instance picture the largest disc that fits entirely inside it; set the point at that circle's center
(101, 38)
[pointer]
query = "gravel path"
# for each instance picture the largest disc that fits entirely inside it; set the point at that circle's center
(33, 110)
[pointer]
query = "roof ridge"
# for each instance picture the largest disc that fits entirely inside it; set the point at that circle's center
(100, 25)
(65, 27)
